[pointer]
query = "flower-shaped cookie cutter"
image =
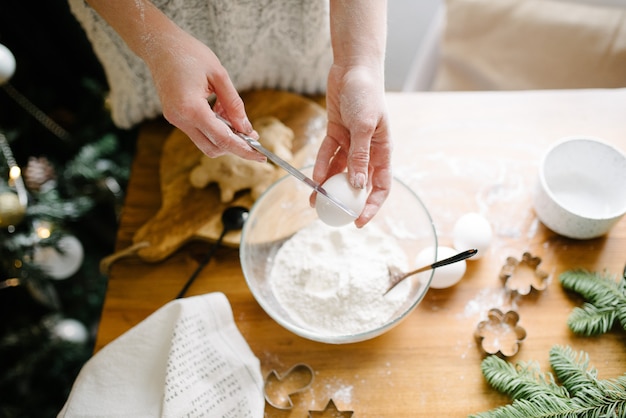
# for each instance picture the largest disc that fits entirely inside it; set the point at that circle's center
(279, 389)
(500, 333)
(521, 276)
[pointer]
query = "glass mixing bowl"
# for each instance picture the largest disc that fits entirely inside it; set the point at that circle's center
(284, 209)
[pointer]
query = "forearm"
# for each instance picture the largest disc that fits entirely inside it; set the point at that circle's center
(138, 22)
(358, 32)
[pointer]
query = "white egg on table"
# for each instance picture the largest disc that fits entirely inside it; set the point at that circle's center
(445, 276)
(472, 230)
(339, 187)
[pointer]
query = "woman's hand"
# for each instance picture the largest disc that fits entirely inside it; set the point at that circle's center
(186, 73)
(358, 135)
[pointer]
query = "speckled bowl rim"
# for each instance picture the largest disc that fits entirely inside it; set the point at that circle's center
(548, 190)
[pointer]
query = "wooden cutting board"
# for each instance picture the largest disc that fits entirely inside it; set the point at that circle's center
(188, 213)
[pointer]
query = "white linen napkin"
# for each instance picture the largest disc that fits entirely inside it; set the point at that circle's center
(186, 359)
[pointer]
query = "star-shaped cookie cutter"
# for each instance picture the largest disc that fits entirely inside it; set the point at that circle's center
(330, 411)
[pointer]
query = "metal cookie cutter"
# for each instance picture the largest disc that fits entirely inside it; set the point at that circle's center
(279, 389)
(331, 410)
(500, 333)
(521, 276)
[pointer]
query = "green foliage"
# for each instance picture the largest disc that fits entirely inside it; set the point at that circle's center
(52, 205)
(90, 166)
(91, 162)
(605, 303)
(536, 394)
(35, 382)
(38, 368)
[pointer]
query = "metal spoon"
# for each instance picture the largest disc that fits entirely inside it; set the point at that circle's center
(233, 219)
(396, 276)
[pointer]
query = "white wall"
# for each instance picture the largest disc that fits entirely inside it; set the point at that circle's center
(408, 24)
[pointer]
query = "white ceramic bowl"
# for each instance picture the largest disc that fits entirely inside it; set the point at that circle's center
(284, 209)
(581, 190)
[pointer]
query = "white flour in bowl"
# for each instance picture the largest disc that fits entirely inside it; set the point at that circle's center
(332, 280)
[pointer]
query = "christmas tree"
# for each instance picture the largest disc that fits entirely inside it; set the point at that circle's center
(63, 171)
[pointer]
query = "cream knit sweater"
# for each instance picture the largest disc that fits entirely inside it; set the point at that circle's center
(282, 44)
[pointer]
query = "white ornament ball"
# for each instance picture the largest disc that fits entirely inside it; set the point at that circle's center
(7, 64)
(445, 276)
(71, 330)
(60, 264)
(339, 187)
(472, 231)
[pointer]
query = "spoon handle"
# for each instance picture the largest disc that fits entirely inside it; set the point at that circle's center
(454, 258)
(395, 279)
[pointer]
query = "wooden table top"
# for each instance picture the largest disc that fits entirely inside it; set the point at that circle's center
(460, 152)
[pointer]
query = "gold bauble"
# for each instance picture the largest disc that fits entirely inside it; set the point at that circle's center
(11, 210)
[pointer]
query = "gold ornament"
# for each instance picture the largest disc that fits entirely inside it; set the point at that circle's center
(11, 211)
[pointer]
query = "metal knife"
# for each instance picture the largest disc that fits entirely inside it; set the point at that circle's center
(289, 168)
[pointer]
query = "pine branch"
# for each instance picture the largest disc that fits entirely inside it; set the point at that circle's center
(574, 372)
(523, 380)
(582, 394)
(593, 286)
(522, 408)
(590, 320)
(606, 302)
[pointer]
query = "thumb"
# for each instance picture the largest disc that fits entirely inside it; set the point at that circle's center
(358, 159)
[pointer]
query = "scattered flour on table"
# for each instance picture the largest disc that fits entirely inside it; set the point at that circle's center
(332, 280)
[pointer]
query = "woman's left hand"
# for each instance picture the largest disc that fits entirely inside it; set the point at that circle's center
(358, 135)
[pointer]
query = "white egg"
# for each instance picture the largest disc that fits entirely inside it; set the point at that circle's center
(339, 187)
(445, 276)
(7, 64)
(472, 231)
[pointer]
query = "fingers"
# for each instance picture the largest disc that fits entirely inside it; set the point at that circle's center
(359, 156)
(332, 155)
(213, 137)
(230, 105)
(381, 187)
(365, 150)
(380, 179)
(381, 175)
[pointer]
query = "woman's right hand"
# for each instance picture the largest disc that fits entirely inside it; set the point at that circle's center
(186, 74)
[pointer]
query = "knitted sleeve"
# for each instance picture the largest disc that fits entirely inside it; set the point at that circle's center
(262, 44)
